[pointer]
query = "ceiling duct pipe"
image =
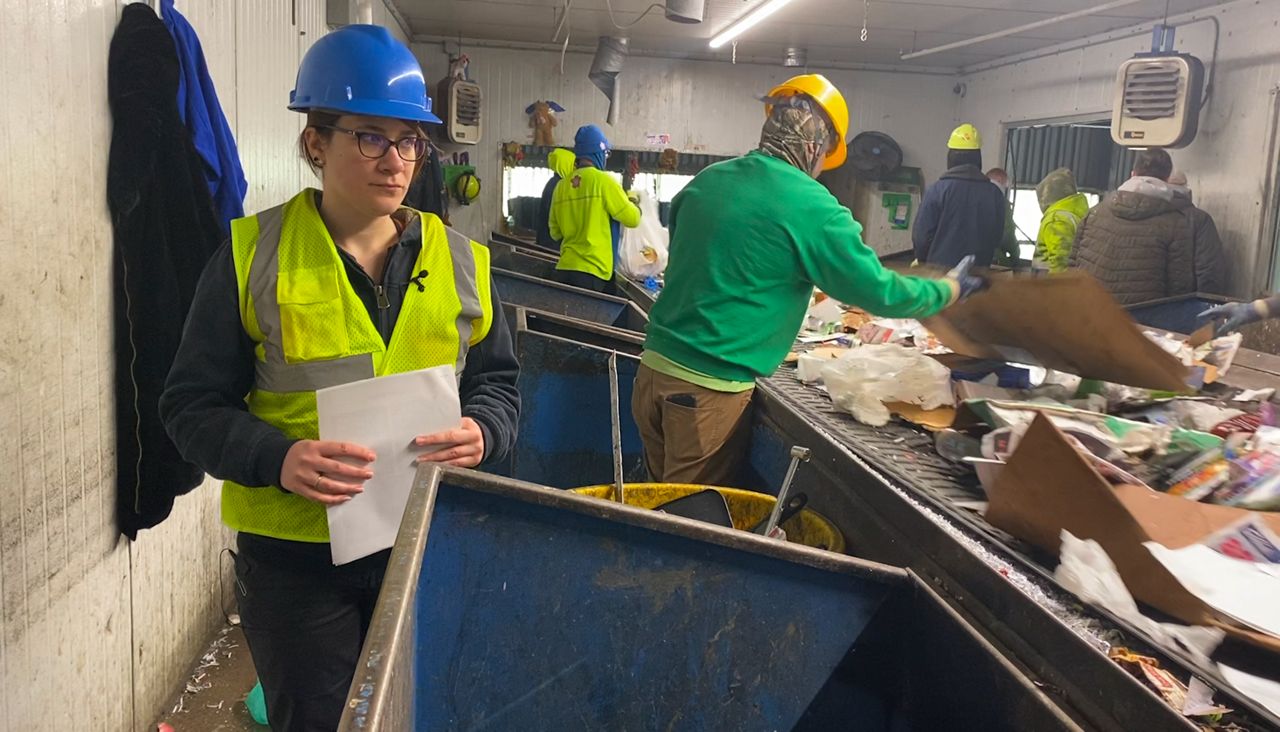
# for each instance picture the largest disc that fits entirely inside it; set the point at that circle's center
(795, 58)
(686, 11)
(611, 52)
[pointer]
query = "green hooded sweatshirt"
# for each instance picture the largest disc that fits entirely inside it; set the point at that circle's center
(750, 238)
(1064, 208)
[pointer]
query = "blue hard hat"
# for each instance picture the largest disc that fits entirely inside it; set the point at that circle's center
(362, 69)
(589, 141)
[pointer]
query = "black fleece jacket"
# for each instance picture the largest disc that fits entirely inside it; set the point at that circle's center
(164, 231)
(203, 405)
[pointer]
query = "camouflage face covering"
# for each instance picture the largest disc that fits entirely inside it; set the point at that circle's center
(796, 131)
(1057, 185)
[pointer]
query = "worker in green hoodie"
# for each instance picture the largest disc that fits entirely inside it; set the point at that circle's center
(1064, 208)
(583, 209)
(750, 238)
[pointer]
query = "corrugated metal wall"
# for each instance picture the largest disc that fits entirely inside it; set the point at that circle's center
(704, 106)
(1225, 165)
(1097, 163)
(96, 634)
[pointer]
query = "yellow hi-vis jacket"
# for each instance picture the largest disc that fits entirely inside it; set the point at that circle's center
(311, 331)
(582, 207)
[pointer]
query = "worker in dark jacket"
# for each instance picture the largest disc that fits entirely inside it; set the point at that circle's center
(1139, 243)
(964, 213)
(1009, 253)
(1204, 235)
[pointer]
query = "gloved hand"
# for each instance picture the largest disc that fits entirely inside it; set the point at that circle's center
(634, 197)
(968, 284)
(1235, 314)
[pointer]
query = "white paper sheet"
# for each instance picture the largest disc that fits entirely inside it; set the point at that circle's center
(1264, 691)
(384, 414)
(1246, 591)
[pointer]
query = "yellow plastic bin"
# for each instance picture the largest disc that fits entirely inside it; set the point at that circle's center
(746, 508)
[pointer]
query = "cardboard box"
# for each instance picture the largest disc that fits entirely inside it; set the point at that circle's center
(1047, 486)
(1068, 322)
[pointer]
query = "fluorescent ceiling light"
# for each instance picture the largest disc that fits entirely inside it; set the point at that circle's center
(748, 21)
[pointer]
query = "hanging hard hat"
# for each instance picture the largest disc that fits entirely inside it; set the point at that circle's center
(965, 137)
(832, 102)
(466, 188)
(362, 69)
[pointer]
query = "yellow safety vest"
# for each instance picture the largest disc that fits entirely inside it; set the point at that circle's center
(312, 331)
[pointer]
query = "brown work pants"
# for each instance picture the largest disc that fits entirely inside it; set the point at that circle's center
(690, 434)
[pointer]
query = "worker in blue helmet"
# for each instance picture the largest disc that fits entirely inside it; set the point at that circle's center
(331, 287)
(586, 208)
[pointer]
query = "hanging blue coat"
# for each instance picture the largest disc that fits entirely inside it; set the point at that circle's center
(202, 114)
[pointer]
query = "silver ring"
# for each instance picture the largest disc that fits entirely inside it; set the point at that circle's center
(315, 485)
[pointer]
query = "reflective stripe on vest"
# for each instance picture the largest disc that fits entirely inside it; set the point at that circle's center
(312, 331)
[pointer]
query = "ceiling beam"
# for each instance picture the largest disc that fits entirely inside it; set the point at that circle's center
(1018, 29)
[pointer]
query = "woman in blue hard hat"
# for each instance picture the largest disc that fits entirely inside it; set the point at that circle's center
(327, 288)
(584, 209)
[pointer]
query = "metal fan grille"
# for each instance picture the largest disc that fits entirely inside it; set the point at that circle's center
(1152, 90)
(874, 155)
(467, 99)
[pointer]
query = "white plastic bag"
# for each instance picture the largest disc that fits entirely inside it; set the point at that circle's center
(866, 377)
(642, 252)
(1087, 571)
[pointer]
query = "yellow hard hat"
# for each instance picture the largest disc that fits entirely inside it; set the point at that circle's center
(467, 188)
(832, 102)
(965, 137)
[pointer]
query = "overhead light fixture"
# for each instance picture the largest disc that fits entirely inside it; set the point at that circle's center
(748, 21)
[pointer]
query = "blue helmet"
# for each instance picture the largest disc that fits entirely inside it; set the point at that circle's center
(362, 69)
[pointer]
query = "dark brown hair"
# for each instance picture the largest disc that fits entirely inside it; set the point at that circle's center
(1153, 162)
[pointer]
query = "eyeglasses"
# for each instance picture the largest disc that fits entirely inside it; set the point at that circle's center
(373, 145)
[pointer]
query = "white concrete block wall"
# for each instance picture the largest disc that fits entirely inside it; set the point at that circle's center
(1225, 165)
(705, 107)
(95, 633)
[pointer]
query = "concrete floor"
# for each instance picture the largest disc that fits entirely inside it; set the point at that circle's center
(213, 700)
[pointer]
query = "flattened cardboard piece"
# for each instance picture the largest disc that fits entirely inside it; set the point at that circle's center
(930, 419)
(1067, 322)
(1202, 336)
(1047, 487)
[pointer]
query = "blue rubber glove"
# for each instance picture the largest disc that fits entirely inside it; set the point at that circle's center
(968, 284)
(1235, 314)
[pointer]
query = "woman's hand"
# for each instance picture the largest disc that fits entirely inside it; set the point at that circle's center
(313, 469)
(465, 445)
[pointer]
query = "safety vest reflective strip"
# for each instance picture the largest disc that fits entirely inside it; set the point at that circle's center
(311, 331)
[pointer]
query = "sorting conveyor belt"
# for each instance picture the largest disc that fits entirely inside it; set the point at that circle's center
(898, 502)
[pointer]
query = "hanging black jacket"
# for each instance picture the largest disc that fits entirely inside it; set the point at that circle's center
(164, 231)
(426, 192)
